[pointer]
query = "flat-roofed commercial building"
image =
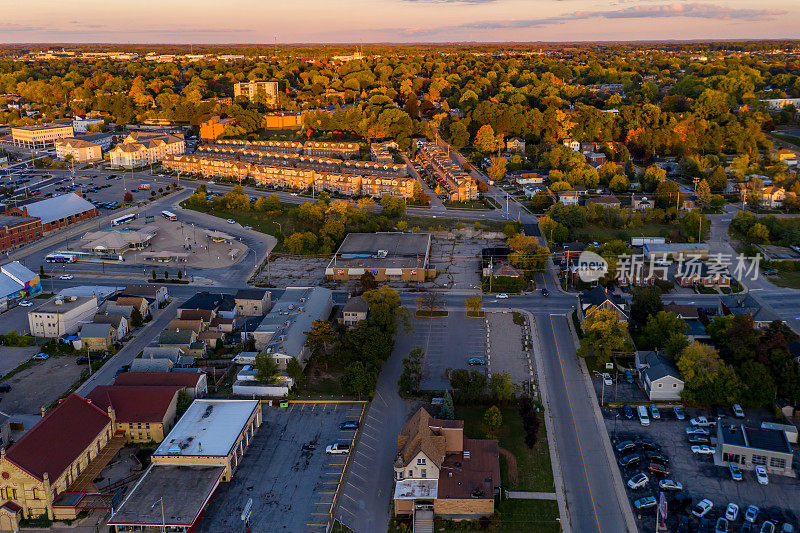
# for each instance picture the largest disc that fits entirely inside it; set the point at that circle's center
(388, 256)
(265, 91)
(61, 315)
(18, 230)
(40, 136)
(80, 151)
(203, 449)
(748, 447)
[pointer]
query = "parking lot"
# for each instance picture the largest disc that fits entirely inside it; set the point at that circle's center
(697, 473)
(292, 485)
(448, 342)
(40, 385)
(507, 354)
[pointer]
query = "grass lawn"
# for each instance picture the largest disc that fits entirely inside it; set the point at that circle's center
(319, 383)
(534, 471)
(786, 279)
(604, 234)
(431, 314)
(516, 516)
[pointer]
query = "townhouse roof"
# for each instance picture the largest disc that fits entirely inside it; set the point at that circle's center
(210, 301)
(59, 438)
(173, 353)
(356, 304)
(114, 320)
(149, 291)
(58, 207)
(96, 330)
(291, 316)
(473, 473)
(206, 315)
(134, 404)
(417, 436)
(250, 294)
(186, 336)
(160, 379)
(682, 310)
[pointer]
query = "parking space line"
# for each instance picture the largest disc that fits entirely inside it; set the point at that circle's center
(348, 511)
(349, 497)
(368, 446)
(359, 477)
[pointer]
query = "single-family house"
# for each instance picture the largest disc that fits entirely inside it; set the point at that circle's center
(354, 311)
(600, 298)
(660, 379)
(98, 337)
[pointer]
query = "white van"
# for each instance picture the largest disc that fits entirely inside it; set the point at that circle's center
(643, 418)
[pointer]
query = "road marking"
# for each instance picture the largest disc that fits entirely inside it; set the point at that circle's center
(359, 477)
(368, 446)
(574, 425)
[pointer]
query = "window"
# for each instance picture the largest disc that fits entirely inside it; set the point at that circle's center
(423, 473)
(759, 460)
(35, 493)
(777, 462)
(420, 461)
(410, 473)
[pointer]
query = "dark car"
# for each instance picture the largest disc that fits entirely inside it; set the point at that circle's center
(657, 456)
(679, 503)
(658, 468)
(5, 387)
(476, 361)
(628, 376)
(647, 444)
(82, 360)
(630, 459)
(683, 525)
(699, 439)
(704, 526)
(545, 293)
(627, 410)
(775, 514)
(350, 424)
(624, 446)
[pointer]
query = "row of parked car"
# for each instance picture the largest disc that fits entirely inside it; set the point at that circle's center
(770, 519)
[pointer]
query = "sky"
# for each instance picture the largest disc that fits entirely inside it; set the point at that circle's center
(396, 21)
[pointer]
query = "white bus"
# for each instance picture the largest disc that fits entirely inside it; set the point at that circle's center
(169, 215)
(123, 219)
(61, 257)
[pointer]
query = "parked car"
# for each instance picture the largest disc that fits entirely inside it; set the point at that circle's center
(502, 296)
(699, 439)
(679, 413)
(775, 514)
(630, 459)
(703, 450)
(657, 456)
(654, 412)
(751, 513)
(767, 527)
(658, 468)
(638, 481)
(701, 421)
(230, 221)
(476, 361)
(721, 526)
(350, 424)
(696, 431)
(26, 303)
(679, 503)
(627, 411)
(84, 360)
(607, 379)
(41, 356)
(738, 412)
(647, 502)
(669, 484)
(736, 472)
(625, 446)
(647, 444)
(338, 448)
(66, 276)
(761, 475)
(628, 376)
(683, 525)
(5, 387)
(732, 512)
(702, 508)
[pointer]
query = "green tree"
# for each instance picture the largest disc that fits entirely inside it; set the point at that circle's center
(319, 338)
(359, 380)
(707, 379)
(459, 136)
(660, 328)
(294, 369)
(646, 302)
(653, 175)
(759, 388)
(136, 318)
(411, 376)
(492, 422)
(448, 411)
(703, 193)
(603, 334)
(759, 233)
(691, 225)
(266, 368)
(501, 386)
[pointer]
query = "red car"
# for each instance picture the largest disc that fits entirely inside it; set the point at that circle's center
(36, 193)
(658, 468)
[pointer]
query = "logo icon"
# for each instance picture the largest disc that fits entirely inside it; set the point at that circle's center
(591, 267)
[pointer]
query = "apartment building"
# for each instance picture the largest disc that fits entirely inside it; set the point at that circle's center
(266, 91)
(80, 151)
(61, 315)
(83, 125)
(293, 178)
(377, 187)
(283, 119)
(459, 185)
(143, 414)
(212, 128)
(143, 148)
(18, 230)
(40, 136)
(344, 150)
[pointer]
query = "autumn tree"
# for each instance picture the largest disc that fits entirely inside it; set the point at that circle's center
(707, 379)
(492, 422)
(703, 193)
(603, 334)
(498, 169)
(485, 141)
(474, 305)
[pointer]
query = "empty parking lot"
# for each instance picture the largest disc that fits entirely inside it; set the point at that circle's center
(292, 485)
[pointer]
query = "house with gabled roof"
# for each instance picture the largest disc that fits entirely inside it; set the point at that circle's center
(601, 298)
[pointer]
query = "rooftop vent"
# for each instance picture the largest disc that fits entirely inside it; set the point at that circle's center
(466, 455)
(209, 409)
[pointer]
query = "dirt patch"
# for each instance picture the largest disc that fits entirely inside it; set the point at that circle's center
(288, 271)
(511, 461)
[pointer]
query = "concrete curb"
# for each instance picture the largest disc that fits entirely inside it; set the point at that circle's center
(619, 486)
(558, 477)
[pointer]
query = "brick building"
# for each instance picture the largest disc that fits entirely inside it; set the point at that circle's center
(40, 136)
(57, 212)
(18, 230)
(212, 128)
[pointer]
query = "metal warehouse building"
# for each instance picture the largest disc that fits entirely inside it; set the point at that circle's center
(391, 256)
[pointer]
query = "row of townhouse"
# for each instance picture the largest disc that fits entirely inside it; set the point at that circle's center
(295, 178)
(459, 186)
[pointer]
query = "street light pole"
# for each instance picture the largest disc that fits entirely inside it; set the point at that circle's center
(163, 521)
